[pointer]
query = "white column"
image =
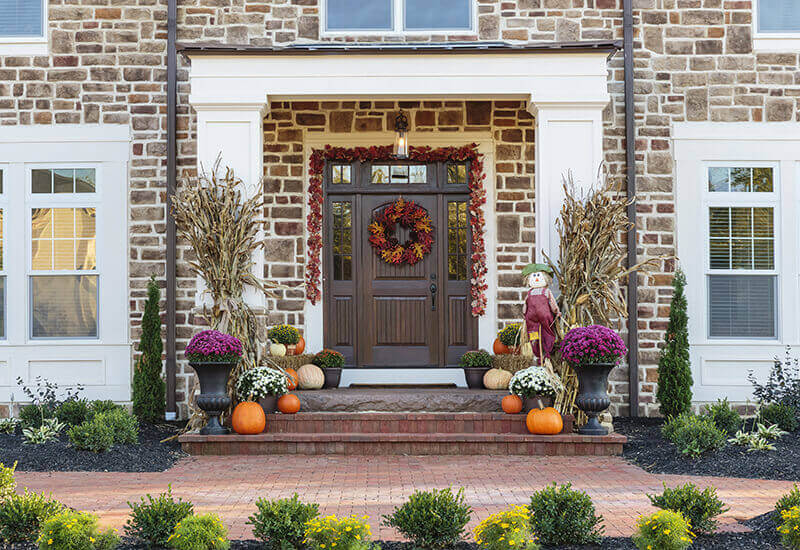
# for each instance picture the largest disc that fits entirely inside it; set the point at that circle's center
(234, 134)
(569, 137)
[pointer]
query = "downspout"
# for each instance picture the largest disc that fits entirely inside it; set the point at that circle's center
(630, 161)
(172, 87)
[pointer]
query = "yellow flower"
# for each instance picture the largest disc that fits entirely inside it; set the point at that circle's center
(50, 541)
(666, 531)
(91, 539)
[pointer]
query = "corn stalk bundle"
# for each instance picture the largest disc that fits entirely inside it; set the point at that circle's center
(222, 228)
(591, 267)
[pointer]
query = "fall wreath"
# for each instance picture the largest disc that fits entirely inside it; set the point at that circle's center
(408, 215)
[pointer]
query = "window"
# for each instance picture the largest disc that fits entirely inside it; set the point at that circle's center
(778, 16)
(63, 253)
(457, 240)
(342, 242)
(398, 15)
(741, 274)
(23, 25)
(398, 174)
(2, 264)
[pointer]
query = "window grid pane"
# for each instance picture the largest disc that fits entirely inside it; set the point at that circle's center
(741, 238)
(457, 174)
(342, 241)
(742, 306)
(63, 181)
(64, 306)
(740, 180)
(63, 239)
(457, 241)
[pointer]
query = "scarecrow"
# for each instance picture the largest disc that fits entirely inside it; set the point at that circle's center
(540, 310)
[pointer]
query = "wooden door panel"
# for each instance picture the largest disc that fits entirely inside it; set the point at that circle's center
(343, 327)
(457, 321)
(401, 320)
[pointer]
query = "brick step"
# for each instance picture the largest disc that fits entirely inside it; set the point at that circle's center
(403, 444)
(385, 422)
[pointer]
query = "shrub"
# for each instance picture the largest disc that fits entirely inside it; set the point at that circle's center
(99, 406)
(783, 383)
(508, 530)
(149, 389)
(785, 416)
(664, 530)
(204, 532)
(790, 528)
(153, 520)
(281, 523)
(8, 484)
(44, 400)
(693, 435)
(723, 416)
(8, 425)
(283, 334)
(71, 530)
(698, 507)
(477, 359)
(94, 435)
(787, 501)
(431, 519)
(32, 416)
(562, 515)
(347, 533)
(123, 424)
(328, 359)
(674, 393)
(73, 412)
(510, 335)
(21, 516)
(45, 433)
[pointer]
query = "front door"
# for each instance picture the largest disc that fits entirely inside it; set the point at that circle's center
(380, 314)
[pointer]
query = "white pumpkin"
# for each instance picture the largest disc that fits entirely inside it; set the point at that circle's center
(278, 350)
(496, 379)
(310, 377)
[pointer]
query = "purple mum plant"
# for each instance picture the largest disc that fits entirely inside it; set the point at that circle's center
(213, 346)
(592, 344)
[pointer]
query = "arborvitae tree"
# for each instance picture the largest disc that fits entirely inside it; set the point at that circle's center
(674, 368)
(149, 390)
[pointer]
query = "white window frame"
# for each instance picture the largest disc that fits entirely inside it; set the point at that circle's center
(773, 41)
(63, 200)
(733, 199)
(28, 45)
(4, 250)
(398, 23)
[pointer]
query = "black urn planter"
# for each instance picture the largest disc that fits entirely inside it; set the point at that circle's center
(474, 376)
(333, 375)
(536, 402)
(593, 395)
(213, 397)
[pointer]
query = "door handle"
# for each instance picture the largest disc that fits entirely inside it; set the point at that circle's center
(433, 296)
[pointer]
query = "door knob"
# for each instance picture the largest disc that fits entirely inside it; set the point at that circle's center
(433, 296)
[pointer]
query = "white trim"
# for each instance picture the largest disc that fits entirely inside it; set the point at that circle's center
(487, 324)
(28, 45)
(765, 41)
(390, 376)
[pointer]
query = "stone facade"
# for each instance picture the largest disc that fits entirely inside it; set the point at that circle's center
(694, 61)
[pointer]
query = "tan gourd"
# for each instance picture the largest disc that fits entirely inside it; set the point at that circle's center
(496, 379)
(278, 350)
(310, 377)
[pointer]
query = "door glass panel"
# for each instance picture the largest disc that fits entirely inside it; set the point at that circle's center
(342, 241)
(419, 173)
(457, 241)
(340, 174)
(380, 174)
(457, 174)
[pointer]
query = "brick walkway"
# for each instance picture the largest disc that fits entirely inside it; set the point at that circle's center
(374, 485)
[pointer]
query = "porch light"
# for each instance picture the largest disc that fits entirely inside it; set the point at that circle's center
(401, 140)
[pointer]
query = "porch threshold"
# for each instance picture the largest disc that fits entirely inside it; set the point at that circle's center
(376, 376)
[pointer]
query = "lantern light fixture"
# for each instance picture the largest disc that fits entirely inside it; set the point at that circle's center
(401, 139)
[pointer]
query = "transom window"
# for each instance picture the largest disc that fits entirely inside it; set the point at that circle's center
(398, 15)
(778, 16)
(22, 18)
(741, 268)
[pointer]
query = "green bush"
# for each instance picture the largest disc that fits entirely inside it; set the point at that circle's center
(477, 359)
(123, 424)
(507, 530)
(72, 530)
(431, 519)
(73, 412)
(723, 416)
(332, 533)
(664, 530)
(204, 532)
(785, 416)
(99, 406)
(281, 523)
(698, 507)
(149, 389)
(693, 435)
(562, 515)
(32, 416)
(153, 520)
(48, 431)
(8, 425)
(790, 528)
(787, 501)
(94, 435)
(21, 516)
(674, 393)
(328, 359)
(8, 484)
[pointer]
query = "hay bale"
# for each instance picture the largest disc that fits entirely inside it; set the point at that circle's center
(287, 361)
(512, 363)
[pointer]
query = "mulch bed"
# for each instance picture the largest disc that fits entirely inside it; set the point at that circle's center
(150, 455)
(649, 450)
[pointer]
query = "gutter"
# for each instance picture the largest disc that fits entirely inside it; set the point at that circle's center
(172, 151)
(630, 162)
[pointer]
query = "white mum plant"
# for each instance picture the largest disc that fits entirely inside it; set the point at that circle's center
(261, 382)
(531, 382)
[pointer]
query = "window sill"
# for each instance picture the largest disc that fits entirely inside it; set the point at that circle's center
(26, 46)
(776, 44)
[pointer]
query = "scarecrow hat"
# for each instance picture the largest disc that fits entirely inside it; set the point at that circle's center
(533, 268)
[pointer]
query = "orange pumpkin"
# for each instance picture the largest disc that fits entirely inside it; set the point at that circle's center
(499, 347)
(512, 404)
(288, 404)
(300, 347)
(291, 378)
(248, 418)
(544, 421)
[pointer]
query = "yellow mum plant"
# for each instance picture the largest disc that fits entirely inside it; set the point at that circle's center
(332, 533)
(508, 530)
(664, 530)
(790, 528)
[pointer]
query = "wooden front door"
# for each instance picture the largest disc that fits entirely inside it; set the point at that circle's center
(385, 315)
